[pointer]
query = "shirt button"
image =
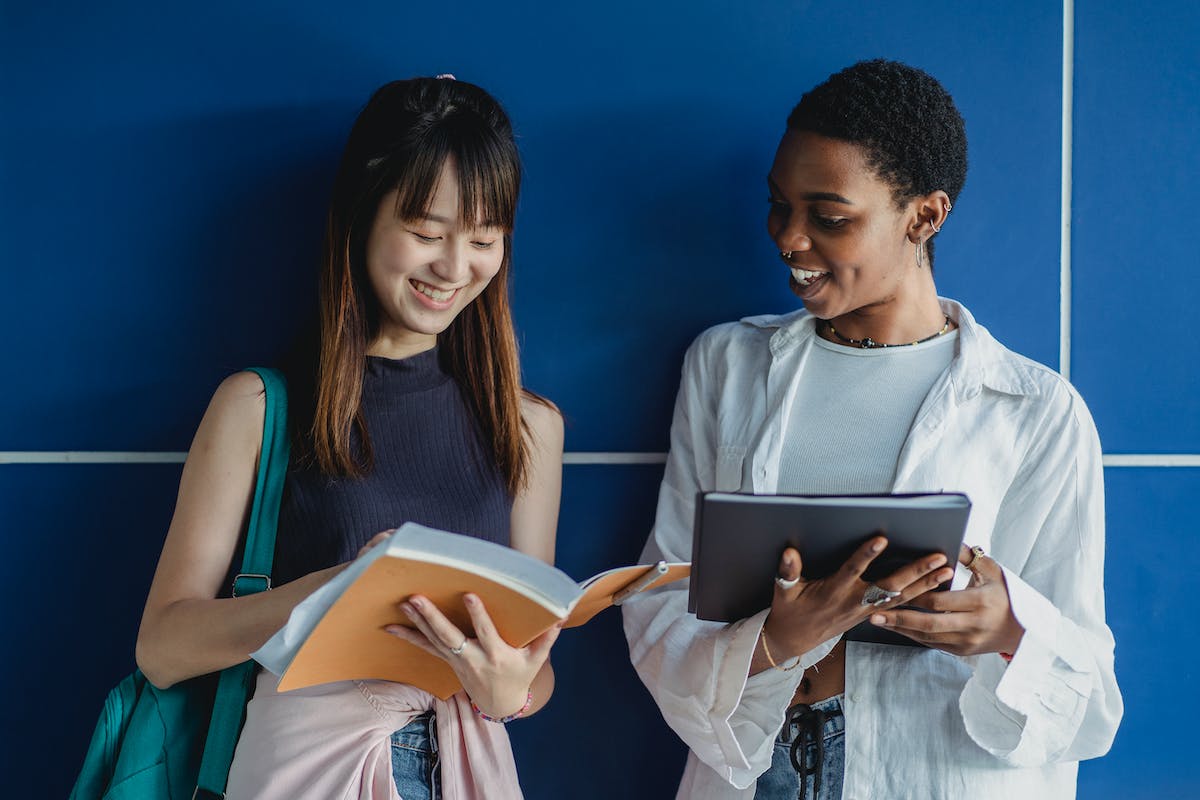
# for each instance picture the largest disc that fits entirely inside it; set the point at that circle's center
(854, 697)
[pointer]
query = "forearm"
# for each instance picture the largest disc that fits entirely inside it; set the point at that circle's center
(542, 688)
(770, 652)
(192, 636)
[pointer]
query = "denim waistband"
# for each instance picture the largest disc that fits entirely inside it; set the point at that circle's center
(827, 713)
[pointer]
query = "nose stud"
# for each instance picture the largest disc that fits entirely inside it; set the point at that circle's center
(786, 254)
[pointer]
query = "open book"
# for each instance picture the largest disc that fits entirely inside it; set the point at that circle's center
(337, 632)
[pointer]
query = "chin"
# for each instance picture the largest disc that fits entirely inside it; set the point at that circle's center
(817, 309)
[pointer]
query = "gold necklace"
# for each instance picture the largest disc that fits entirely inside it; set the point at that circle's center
(867, 342)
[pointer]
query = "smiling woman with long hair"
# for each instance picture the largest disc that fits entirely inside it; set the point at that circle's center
(410, 408)
(879, 385)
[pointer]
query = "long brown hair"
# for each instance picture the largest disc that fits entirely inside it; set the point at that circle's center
(400, 141)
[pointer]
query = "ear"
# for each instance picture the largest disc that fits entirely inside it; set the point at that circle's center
(929, 214)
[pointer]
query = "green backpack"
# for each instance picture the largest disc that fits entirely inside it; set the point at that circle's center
(178, 743)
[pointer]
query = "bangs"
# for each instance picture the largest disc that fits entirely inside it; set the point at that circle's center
(489, 175)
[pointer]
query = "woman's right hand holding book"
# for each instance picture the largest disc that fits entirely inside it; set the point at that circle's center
(805, 613)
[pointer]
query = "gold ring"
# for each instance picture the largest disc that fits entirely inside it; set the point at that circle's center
(976, 554)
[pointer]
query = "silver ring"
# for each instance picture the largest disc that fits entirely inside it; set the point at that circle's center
(877, 596)
(786, 583)
(459, 650)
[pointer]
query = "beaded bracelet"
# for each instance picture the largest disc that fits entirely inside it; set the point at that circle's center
(510, 717)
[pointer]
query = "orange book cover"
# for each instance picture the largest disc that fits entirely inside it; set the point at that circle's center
(337, 634)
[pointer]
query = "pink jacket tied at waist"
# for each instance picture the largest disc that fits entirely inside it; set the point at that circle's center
(333, 742)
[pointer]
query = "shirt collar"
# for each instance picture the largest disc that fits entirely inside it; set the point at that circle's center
(980, 360)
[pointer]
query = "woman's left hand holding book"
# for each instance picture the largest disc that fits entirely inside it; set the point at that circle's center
(497, 677)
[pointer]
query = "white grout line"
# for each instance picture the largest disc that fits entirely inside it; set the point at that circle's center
(1152, 460)
(614, 458)
(1064, 248)
(88, 457)
(571, 458)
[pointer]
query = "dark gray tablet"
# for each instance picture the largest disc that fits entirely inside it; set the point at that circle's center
(740, 537)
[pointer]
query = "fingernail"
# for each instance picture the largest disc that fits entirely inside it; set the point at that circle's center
(936, 562)
(470, 599)
(416, 602)
(877, 547)
(878, 619)
(392, 629)
(408, 609)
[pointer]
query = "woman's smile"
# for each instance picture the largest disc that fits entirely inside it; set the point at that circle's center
(433, 297)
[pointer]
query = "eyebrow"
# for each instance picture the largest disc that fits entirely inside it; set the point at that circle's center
(445, 221)
(434, 218)
(812, 196)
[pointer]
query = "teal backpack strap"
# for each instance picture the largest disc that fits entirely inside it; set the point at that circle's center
(268, 491)
(235, 686)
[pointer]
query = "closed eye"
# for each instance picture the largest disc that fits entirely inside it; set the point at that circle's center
(427, 239)
(484, 245)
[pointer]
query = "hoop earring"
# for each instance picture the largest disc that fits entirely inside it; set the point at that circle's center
(934, 225)
(919, 259)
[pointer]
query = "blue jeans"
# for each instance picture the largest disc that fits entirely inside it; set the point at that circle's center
(415, 765)
(813, 737)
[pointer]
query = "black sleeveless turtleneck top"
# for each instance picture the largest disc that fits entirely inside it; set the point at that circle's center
(432, 466)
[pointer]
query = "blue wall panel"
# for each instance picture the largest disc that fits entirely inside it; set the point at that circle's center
(1137, 79)
(80, 545)
(165, 175)
(1152, 545)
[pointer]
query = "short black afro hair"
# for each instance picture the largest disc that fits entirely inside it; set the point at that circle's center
(906, 121)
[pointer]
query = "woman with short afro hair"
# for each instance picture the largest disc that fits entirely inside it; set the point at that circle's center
(879, 385)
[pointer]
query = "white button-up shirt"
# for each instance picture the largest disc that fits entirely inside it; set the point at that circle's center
(920, 723)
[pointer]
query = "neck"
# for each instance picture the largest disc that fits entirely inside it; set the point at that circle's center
(861, 325)
(402, 345)
(908, 316)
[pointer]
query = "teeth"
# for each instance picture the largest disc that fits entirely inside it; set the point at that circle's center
(436, 294)
(804, 276)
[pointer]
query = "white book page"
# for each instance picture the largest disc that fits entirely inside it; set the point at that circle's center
(546, 585)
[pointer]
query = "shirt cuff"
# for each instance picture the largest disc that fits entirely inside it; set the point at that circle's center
(751, 707)
(1008, 708)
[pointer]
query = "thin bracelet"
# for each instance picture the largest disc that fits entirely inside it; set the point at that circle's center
(510, 717)
(767, 652)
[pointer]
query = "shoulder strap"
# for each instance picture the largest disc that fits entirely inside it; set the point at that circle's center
(234, 688)
(268, 490)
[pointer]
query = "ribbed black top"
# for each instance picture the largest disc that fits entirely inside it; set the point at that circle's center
(431, 466)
